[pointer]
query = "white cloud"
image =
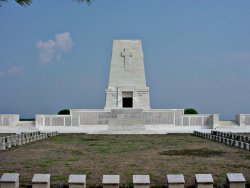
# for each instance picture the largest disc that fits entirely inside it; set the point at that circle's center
(53, 48)
(12, 71)
(63, 42)
(15, 71)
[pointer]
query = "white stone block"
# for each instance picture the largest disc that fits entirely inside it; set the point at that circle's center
(2, 139)
(23, 141)
(175, 181)
(41, 181)
(9, 180)
(204, 181)
(247, 146)
(236, 143)
(235, 180)
(141, 181)
(14, 142)
(242, 145)
(3, 146)
(77, 181)
(110, 181)
(19, 142)
(8, 144)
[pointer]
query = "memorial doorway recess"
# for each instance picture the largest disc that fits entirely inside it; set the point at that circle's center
(127, 99)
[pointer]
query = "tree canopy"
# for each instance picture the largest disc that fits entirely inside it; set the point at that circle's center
(28, 2)
(190, 111)
(64, 112)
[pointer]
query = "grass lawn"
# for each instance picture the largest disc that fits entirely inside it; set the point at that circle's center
(95, 155)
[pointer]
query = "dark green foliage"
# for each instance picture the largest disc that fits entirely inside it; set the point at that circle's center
(64, 112)
(28, 2)
(24, 2)
(190, 111)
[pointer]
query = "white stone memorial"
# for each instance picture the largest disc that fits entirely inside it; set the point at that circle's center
(9, 180)
(127, 84)
(127, 107)
(110, 181)
(204, 181)
(41, 181)
(235, 180)
(141, 181)
(77, 181)
(175, 180)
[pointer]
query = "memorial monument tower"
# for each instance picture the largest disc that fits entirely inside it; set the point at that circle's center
(127, 84)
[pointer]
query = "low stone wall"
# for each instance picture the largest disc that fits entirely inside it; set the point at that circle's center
(232, 180)
(92, 121)
(23, 138)
(9, 119)
(100, 120)
(161, 116)
(90, 117)
(197, 120)
(103, 117)
(53, 120)
(236, 140)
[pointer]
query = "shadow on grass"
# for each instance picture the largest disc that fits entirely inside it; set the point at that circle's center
(192, 152)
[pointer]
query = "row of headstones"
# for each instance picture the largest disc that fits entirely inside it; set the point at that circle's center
(231, 136)
(225, 140)
(23, 138)
(11, 180)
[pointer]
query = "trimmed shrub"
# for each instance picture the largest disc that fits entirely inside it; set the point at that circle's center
(190, 111)
(64, 112)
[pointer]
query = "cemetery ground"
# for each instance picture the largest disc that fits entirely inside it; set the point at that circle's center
(96, 155)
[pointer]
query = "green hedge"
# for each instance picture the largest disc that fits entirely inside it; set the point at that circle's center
(190, 111)
(64, 112)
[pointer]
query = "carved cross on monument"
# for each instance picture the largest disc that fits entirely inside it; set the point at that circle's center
(127, 54)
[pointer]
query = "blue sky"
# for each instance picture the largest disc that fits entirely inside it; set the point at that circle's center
(56, 54)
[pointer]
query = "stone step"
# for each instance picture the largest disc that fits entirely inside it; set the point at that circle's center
(127, 127)
(125, 112)
(126, 124)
